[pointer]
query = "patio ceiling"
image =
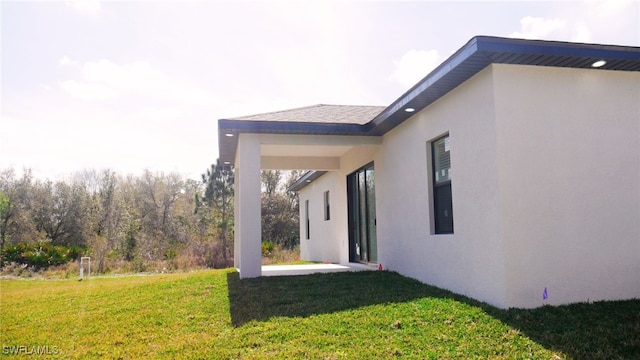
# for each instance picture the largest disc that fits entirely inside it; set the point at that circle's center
(306, 152)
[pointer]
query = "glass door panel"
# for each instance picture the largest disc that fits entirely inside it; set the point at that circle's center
(371, 216)
(362, 221)
(362, 215)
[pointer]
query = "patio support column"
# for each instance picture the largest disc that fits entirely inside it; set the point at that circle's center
(236, 216)
(248, 232)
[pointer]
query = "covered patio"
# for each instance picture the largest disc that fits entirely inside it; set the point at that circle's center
(310, 138)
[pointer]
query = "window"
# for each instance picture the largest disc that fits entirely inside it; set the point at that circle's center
(442, 203)
(306, 216)
(327, 207)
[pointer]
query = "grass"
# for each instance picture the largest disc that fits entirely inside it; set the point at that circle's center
(214, 314)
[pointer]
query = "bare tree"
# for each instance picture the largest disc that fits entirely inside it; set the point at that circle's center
(6, 215)
(157, 196)
(59, 211)
(270, 182)
(147, 218)
(107, 219)
(7, 206)
(280, 218)
(15, 221)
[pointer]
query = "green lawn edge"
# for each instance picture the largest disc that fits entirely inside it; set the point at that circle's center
(368, 314)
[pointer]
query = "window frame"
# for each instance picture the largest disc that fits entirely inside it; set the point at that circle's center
(307, 223)
(327, 206)
(440, 189)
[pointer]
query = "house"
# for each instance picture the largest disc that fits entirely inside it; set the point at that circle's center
(510, 174)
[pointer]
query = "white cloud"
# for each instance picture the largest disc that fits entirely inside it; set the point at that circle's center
(613, 22)
(104, 79)
(581, 33)
(158, 114)
(138, 76)
(607, 8)
(86, 6)
(540, 28)
(590, 21)
(65, 61)
(40, 145)
(415, 65)
(88, 90)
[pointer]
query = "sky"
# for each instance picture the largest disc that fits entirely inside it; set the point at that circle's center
(135, 85)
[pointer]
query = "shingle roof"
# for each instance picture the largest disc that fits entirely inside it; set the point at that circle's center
(321, 113)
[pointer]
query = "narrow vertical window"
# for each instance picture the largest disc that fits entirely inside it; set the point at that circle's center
(327, 207)
(306, 216)
(442, 202)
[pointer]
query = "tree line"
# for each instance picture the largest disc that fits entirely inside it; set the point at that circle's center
(153, 217)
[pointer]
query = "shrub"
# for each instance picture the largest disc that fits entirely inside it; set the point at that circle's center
(138, 265)
(281, 255)
(40, 255)
(214, 256)
(267, 248)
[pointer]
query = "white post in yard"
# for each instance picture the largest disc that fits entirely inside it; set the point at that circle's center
(85, 260)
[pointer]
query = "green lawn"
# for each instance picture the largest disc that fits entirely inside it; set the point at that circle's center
(364, 315)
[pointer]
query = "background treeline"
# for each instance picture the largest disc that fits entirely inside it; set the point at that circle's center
(280, 215)
(151, 222)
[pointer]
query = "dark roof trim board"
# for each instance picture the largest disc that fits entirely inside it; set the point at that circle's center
(290, 127)
(474, 56)
(482, 51)
(305, 179)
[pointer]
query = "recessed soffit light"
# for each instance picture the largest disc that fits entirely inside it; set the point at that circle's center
(228, 135)
(409, 109)
(599, 63)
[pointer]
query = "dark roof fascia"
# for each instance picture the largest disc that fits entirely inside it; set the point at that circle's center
(288, 127)
(482, 51)
(305, 180)
(591, 52)
(395, 114)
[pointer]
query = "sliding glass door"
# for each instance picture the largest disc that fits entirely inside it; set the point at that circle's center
(362, 215)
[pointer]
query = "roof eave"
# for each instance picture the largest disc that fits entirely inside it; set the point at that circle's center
(395, 113)
(229, 131)
(482, 51)
(306, 179)
(474, 56)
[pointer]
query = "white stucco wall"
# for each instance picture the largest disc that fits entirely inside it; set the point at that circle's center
(546, 189)
(325, 235)
(470, 261)
(569, 160)
(329, 240)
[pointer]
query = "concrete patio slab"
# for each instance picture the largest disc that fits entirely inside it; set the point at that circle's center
(305, 269)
